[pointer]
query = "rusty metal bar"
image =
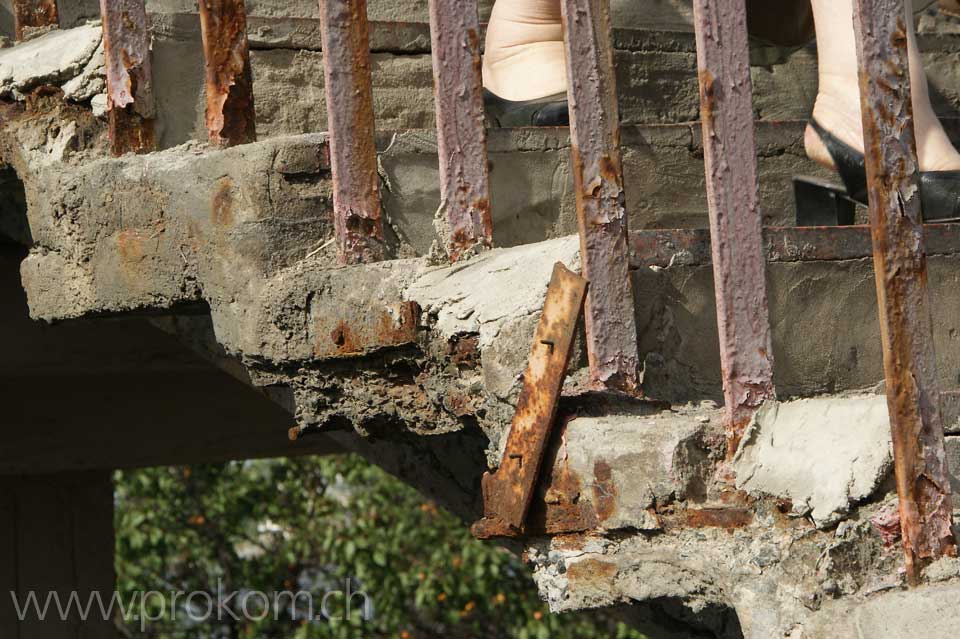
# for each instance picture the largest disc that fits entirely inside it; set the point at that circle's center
(130, 102)
(507, 493)
(730, 160)
(598, 181)
(33, 14)
(691, 247)
(909, 362)
(231, 118)
(463, 220)
(353, 153)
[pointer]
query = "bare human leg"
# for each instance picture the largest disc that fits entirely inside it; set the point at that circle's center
(837, 108)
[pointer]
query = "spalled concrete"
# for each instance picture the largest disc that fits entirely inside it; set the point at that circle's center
(51, 59)
(418, 365)
(823, 454)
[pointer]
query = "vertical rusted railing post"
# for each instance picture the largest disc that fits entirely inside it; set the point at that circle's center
(598, 181)
(33, 14)
(130, 102)
(463, 220)
(229, 84)
(730, 161)
(353, 153)
(900, 267)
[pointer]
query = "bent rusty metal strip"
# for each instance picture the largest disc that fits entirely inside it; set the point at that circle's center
(726, 112)
(900, 266)
(130, 101)
(33, 14)
(463, 220)
(507, 493)
(598, 182)
(353, 153)
(691, 247)
(229, 84)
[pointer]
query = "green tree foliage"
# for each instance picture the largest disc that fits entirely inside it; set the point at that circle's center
(311, 524)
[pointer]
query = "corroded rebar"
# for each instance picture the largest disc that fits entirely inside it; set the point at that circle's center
(126, 41)
(598, 181)
(463, 221)
(353, 153)
(229, 84)
(743, 322)
(900, 266)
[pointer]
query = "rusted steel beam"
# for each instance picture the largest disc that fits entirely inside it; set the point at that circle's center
(507, 493)
(130, 101)
(463, 219)
(726, 111)
(353, 153)
(913, 395)
(598, 182)
(691, 247)
(33, 14)
(229, 84)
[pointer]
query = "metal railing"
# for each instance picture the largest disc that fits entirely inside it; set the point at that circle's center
(738, 248)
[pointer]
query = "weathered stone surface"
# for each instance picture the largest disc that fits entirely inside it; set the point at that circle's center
(90, 82)
(891, 615)
(824, 454)
(485, 293)
(51, 59)
(626, 465)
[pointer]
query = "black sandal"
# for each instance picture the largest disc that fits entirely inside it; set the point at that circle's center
(820, 203)
(548, 111)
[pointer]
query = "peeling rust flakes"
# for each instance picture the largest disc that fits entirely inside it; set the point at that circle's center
(733, 200)
(508, 492)
(464, 221)
(707, 100)
(130, 98)
(604, 490)
(353, 157)
(393, 326)
(464, 350)
(923, 484)
(33, 14)
(727, 518)
(612, 350)
(230, 112)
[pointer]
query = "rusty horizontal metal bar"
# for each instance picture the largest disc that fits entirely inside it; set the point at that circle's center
(130, 98)
(909, 361)
(353, 154)
(230, 112)
(463, 220)
(508, 492)
(691, 247)
(746, 355)
(598, 182)
(33, 14)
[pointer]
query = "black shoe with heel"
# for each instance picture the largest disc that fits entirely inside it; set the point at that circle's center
(549, 111)
(820, 203)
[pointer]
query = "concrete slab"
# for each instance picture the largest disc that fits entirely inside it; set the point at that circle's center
(824, 454)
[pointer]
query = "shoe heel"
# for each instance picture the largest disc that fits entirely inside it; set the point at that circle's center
(820, 203)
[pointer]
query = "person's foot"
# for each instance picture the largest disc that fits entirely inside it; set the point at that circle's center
(837, 108)
(841, 117)
(523, 55)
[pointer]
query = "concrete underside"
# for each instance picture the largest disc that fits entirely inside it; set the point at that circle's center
(207, 278)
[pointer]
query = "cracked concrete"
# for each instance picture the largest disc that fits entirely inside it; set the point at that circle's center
(417, 366)
(823, 454)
